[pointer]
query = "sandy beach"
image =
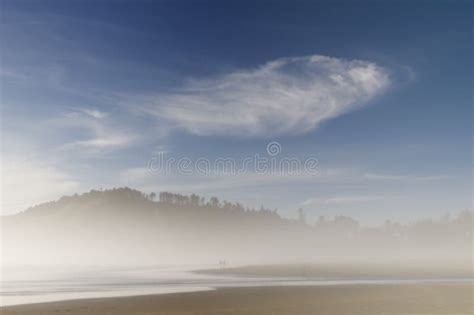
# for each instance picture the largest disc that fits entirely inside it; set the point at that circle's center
(351, 300)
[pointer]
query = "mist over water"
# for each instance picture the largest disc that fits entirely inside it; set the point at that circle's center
(34, 284)
(125, 227)
(121, 242)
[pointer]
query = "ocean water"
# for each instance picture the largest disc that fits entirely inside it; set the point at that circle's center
(25, 285)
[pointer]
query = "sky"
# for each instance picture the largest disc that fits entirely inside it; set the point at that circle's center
(379, 94)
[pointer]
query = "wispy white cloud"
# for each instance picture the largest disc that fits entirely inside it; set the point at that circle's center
(337, 200)
(284, 96)
(12, 74)
(105, 141)
(144, 178)
(398, 177)
(101, 133)
(94, 113)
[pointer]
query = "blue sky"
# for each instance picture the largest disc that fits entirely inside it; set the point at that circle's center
(379, 93)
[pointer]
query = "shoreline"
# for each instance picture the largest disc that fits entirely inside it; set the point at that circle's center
(251, 276)
(270, 284)
(445, 298)
(348, 271)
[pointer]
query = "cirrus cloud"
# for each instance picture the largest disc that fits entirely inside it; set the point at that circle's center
(284, 96)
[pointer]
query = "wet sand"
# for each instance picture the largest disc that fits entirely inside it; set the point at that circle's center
(317, 300)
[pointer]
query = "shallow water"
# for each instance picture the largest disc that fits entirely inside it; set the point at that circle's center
(27, 285)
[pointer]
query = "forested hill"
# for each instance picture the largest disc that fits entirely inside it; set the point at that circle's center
(125, 202)
(127, 226)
